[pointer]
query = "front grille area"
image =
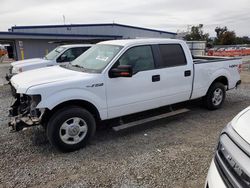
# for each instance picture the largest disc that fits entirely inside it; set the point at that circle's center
(221, 172)
(231, 163)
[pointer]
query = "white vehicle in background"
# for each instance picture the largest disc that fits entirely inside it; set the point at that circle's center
(60, 55)
(114, 79)
(231, 164)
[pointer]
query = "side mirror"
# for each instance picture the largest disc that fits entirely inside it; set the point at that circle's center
(121, 71)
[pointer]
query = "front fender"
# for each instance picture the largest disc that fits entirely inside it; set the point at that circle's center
(99, 101)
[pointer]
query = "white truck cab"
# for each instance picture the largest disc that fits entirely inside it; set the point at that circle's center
(114, 79)
(60, 55)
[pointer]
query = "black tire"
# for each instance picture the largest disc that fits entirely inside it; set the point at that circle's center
(63, 115)
(208, 99)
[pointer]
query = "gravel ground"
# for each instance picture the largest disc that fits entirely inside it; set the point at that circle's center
(174, 152)
(3, 70)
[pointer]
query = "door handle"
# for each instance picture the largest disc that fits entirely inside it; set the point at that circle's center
(156, 78)
(187, 73)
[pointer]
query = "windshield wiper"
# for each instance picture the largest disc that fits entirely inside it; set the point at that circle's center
(78, 66)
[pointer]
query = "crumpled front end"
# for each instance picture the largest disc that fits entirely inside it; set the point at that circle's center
(9, 74)
(23, 112)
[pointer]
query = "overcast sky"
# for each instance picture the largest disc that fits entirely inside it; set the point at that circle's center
(168, 15)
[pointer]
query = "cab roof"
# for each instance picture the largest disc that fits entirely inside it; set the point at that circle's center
(76, 45)
(129, 42)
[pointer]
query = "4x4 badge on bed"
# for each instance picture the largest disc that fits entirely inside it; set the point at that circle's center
(232, 66)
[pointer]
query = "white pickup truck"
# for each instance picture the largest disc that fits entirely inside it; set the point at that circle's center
(60, 55)
(114, 79)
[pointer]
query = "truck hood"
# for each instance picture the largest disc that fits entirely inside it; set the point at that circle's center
(33, 60)
(241, 124)
(23, 81)
(30, 64)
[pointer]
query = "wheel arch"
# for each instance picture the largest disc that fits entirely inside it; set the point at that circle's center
(80, 103)
(220, 79)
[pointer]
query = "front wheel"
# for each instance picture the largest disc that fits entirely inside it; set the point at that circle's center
(71, 128)
(215, 96)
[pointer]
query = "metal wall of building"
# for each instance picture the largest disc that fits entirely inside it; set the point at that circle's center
(33, 48)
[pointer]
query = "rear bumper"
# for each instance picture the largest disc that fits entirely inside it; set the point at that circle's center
(214, 179)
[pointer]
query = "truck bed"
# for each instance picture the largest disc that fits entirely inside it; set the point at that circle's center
(210, 59)
(208, 68)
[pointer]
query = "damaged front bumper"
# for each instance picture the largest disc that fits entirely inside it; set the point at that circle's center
(9, 75)
(18, 123)
(23, 112)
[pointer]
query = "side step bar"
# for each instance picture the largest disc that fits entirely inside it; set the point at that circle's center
(146, 120)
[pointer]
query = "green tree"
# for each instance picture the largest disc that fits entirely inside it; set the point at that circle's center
(224, 37)
(243, 40)
(197, 33)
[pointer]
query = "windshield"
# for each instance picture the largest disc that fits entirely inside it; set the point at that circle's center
(96, 58)
(54, 53)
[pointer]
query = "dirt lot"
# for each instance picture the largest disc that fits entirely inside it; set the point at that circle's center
(174, 152)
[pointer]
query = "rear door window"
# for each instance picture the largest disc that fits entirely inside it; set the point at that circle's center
(172, 55)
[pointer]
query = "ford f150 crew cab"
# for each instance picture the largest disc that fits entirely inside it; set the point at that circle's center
(60, 55)
(231, 164)
(114, 79)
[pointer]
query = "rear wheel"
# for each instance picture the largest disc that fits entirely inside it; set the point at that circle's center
(71, 128)
(215, 96)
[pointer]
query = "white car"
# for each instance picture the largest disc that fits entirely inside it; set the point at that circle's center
(60, 55)
(114, 79)
(231, 164)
